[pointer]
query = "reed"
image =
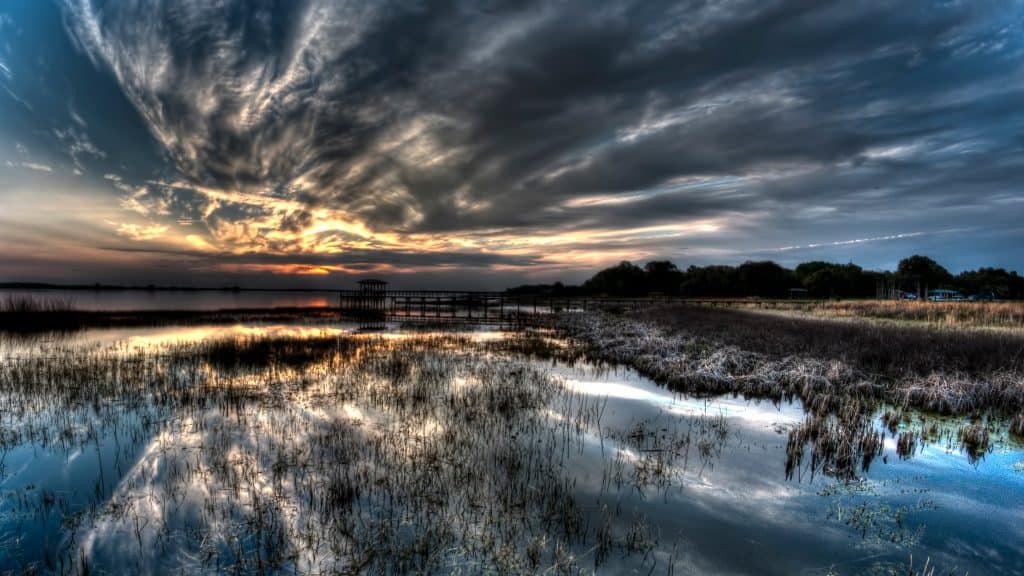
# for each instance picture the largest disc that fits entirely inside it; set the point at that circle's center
(430, 453)
(434, 453)
(21, 314)
(1017, 425)
(937, 314)
(841, 372)
(890, 351)
(38, 315)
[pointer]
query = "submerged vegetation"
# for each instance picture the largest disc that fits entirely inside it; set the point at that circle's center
(696, 349)
(36, 315)
(444, 452)
(28, 314)
(843, 373)
(319, 455)
(328, 454)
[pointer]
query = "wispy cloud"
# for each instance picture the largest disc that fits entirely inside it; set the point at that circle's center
(79, 145)
(31, 166)
(553, 134)
(139, 233)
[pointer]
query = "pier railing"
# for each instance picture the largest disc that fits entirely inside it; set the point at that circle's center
(501, 307)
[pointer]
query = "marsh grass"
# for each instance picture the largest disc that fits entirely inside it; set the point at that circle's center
(965, 315)
(428, 453)
(38, 314)
(34, 315)
(1017, 426)
(938, 314)
(880, 350)
(842, 373)
(433, 453)
(975, 439)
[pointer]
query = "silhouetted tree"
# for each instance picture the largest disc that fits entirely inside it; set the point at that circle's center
(829, 280)
(770, 280)
(921, 273)
(805, 270)
(766, 279)
(556, 289)
(996, 281)
(663, 277)
(709, 281)
(625, 279)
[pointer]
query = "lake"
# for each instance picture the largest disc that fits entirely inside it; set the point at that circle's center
(133, 300)
(299, 448)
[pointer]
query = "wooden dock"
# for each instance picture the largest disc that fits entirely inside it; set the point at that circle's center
(503, 307)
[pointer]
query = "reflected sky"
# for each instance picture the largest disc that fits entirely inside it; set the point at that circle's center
(132, 300)
(973, 515)
(282, 144)
(140, 338)
(696, 483)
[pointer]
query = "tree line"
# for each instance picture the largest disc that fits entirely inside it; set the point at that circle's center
(767, 279)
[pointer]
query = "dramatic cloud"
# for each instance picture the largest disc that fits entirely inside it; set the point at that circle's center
(558, 136)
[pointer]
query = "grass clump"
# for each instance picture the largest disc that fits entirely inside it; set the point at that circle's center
(975, 440)
(326, 454)
(23, 314)
(889, 351)
(938, 314)
(842, 372)
(1017, 425)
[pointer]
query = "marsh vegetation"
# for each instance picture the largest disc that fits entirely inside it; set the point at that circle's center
(26, 314)
(842, 373)
(315, 450)
(955, 315)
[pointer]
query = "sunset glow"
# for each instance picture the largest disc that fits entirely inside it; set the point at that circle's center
(296, 145)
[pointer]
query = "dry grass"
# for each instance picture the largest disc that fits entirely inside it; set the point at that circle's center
(36, 315)
(28, 305)
(890, 354)
(30, 314)
(1017, 425)
(330, 454)
(842, 372)
(944, 314)
(364, 454)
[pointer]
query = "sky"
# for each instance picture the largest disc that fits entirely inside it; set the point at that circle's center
(309, 143)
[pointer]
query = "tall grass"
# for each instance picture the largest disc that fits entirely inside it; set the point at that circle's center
(893, 352)
(37, 314)
(943, 314)
(842, 372)
(365, 454)
(329, 454)
(35, 305)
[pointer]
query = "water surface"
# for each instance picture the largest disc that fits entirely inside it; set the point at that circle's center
(501, 460)
(136, 300)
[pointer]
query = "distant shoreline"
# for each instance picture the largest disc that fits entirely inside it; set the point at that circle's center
(74, 320)
(115, 288)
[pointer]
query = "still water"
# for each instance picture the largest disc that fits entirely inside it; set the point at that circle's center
(447, 452)
(134, 300)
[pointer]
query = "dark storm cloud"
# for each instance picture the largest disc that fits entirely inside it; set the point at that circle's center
(390, 109)
(352, 259)
(765, 124)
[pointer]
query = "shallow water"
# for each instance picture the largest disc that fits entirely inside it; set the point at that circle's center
(735, 511)
(136, 300)
(632, 476)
